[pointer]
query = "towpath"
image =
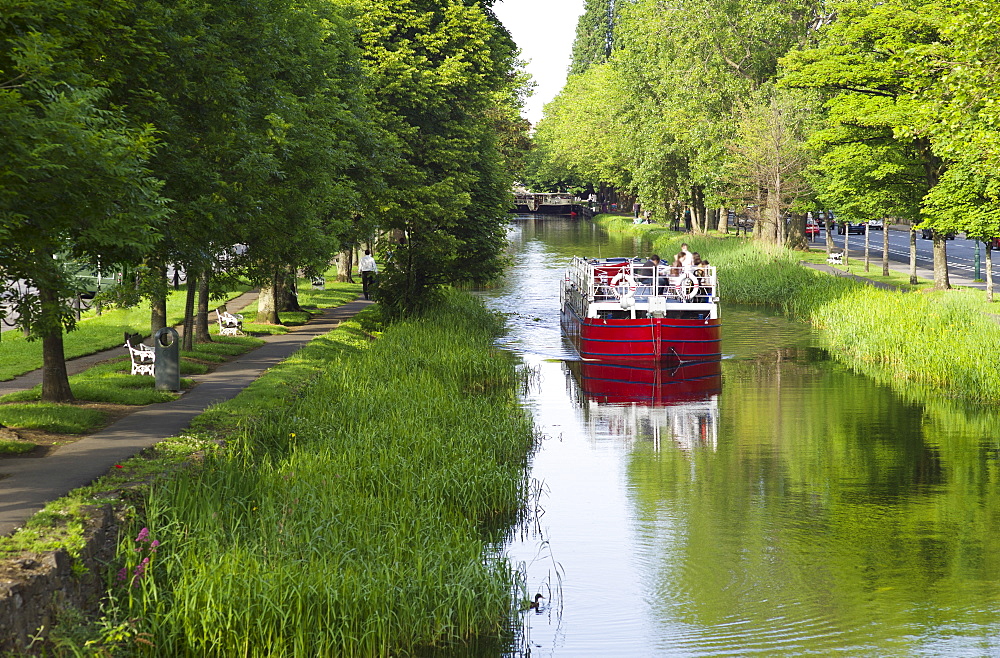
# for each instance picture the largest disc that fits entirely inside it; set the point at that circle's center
(27, 484)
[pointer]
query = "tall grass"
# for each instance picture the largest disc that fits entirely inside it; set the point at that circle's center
(918, 342)
(352, 519)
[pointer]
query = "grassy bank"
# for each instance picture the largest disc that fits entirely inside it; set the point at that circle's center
(356, 510)
(941, 341)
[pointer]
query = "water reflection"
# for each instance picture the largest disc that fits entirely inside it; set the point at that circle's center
(780, 504)
(651, 402)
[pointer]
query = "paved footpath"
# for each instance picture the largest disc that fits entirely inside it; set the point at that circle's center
(27, 484)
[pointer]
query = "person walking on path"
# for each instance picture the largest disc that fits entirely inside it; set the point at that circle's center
(368, 269)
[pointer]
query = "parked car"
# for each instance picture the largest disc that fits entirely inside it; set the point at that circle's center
(812, 230)
(851, 227)
(928, 234)
(876, 224)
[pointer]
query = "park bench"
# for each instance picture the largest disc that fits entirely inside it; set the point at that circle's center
(836, 259)
(143, 356)
(229, 324)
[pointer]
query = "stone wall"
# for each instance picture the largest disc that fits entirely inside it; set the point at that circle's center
(35, 588)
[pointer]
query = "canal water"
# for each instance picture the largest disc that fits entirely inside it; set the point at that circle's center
(779, 505)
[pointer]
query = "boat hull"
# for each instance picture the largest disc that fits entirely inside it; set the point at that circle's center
(648, 339)
(650, 384)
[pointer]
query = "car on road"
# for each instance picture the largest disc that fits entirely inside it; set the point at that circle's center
(928, 234)
(812, 230)
(851, 227)
(876, 224)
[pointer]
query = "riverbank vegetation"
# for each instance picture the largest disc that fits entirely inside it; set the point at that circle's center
(943, 341)
(357, 507)
(259, 140)
(769, 111)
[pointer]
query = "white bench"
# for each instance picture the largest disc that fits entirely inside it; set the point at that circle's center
(143, 356)
(836, 259)
(229, 324)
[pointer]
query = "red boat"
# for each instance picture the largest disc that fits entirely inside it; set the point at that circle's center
(618, 309)
(651, 385)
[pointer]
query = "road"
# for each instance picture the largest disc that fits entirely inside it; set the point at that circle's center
(961, 252)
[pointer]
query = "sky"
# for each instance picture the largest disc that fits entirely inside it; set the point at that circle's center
(544, 30)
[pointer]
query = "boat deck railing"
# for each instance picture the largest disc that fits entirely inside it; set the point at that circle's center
(613, 279)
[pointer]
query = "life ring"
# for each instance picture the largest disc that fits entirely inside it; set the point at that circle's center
(623, 280)
(687, 287)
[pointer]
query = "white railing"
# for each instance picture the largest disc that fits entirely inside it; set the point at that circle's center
(604, 281)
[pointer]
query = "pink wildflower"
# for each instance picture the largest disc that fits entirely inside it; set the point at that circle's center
(143, 535)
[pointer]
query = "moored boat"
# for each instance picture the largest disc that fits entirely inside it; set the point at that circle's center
(621, 309)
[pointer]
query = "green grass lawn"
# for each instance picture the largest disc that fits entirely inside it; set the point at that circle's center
(15, 447)
(92, 334)
(856, 265)
(110, 382)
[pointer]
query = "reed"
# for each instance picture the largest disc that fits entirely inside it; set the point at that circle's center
(352, 519)
(940, 342)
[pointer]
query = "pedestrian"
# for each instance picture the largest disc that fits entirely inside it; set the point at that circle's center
(368, 269)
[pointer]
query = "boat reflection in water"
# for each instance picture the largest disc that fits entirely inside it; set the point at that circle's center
(651, 401)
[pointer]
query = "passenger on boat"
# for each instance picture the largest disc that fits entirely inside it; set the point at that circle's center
(687, 259)
(651, 274)
(701, 276)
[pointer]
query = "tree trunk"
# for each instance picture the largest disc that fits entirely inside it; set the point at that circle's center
(989, 270)
(913, 257)
(940, 261)
(847, 242)
(55, 380)
(828, 230)
(885, 247)
(345, 263)
(158, 299)
(201, 334)
(289, 300)
(267, 309)
(187, 342)
(797, 233)
(723, 225)
(773, 229)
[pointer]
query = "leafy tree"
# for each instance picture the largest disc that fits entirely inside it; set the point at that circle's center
(863, 62)
(770, 155)
(594, 35)
(435, 70)
(73, 179)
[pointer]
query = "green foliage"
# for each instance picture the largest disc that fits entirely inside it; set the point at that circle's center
(74, 178)
(409, 444)
(594, 35)
(872, 161)
(437, 69)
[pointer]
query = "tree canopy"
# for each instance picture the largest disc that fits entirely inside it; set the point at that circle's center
(144, 133)
(870, 109)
